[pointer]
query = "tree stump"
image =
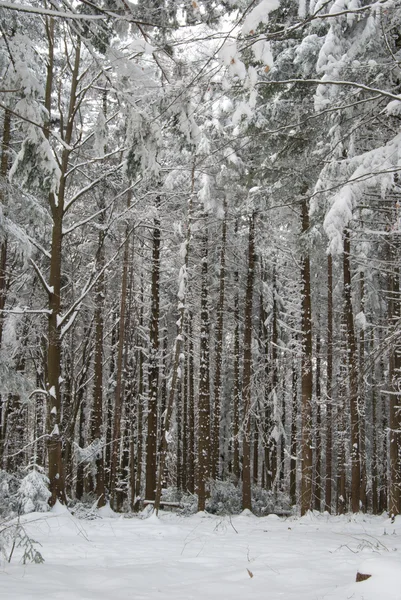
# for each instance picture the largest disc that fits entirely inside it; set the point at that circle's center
(362, 576)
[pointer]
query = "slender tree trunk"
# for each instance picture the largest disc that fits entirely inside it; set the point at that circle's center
(274, 411)
(255, 464)
(219, 350)
(329, 387)
(109, 404)
(306, 378)
(353, 380)
(318, 438)
(204, 386)
(151, 445)
(3, 202)
(362, 400)
(56, 466)
(395, 396)
(247, 370)
(139, 434)
(118, 397)
(3, 264)
(80, 479)
(177, 359)
(236, 390)
(294, 415)
(97, 409)
(375, 435)
(184, 392)
(191, 408)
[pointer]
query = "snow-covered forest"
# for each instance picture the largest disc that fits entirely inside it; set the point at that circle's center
(200, 255)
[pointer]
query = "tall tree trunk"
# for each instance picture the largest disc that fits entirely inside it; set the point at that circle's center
(353, 379)
(3, 202)
(247, 370)
(118, 396)
(274, 410)
(236, 375)
(306, 377)
(395, 396)
(204, 385)
(151, 444)
(191, 408)
(3, 263)
(56, 467)
(177, 359)
(329, 387)
(318, 437)
(294, 416)
(219, 350)
(362, 399)
(140, 399)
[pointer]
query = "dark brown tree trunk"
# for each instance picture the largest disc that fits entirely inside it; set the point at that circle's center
(3, 263)
(177, 359)
(341, 436)
(294, 414)
(3, 201)
(140, 399)
(151, 442)
(118, 396)
(219, 351)
(329, 387)
(80, 479)
(237, 387)
(353, 379)
(274, 424)
(255, 464)
(204, 386)
(191, 408)
(362, 400)
(395, 396)
(318, 438)
(56, 466)
(97, 409)
(306, 377)
(247, 370)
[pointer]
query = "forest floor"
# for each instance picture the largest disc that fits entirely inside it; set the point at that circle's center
(204, 557)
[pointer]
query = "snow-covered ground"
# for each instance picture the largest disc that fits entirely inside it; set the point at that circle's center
(205, 557)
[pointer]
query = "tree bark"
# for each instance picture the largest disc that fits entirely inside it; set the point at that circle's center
(306, 376)
(247, 370)
(219, 351)
(118, 396)
(395, 396)
(56, 466)
(204, 385)
(236, 375)
(329, 387)
(151, 444)
(353, 379)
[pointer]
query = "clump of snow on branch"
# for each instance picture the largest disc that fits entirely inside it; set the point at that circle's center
(90, 453)
(101, 132)
(144, 140)
(344, 41)
(205, 195)
(370, 169)
(230, 57)
(35, 166)
(258, 15)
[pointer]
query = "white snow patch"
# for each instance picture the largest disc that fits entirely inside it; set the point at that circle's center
(207, 556)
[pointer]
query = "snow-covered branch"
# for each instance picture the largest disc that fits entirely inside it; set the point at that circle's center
(352, 84)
